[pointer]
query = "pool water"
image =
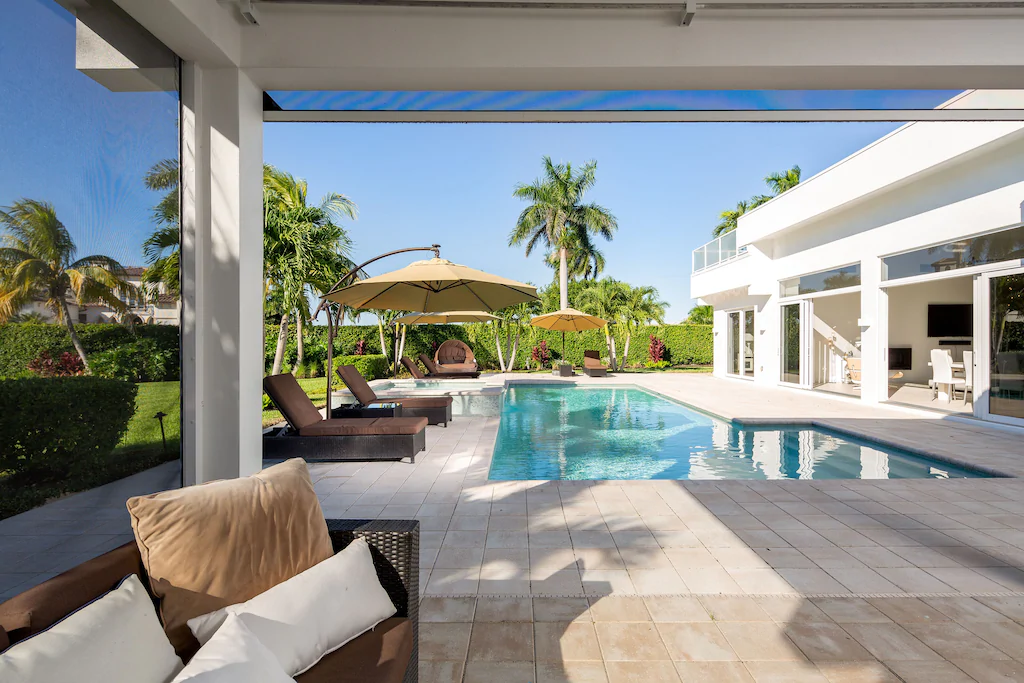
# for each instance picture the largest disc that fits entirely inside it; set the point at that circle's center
(558, 432)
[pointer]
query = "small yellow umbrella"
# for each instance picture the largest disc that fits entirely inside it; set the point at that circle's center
(568, 320)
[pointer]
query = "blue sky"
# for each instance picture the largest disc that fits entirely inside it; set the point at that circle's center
(68, 140)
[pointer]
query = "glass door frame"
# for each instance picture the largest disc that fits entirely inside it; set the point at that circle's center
(805, 307)
(983, 347)
(743, 331)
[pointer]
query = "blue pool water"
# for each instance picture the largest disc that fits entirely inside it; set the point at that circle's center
(558, 432)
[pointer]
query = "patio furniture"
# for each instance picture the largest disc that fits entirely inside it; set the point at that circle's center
(455, 356)
(435, 372)
(436, 409)
(413, 369)
(385, 654)
(312, 437)
(942, 375)
(562, 370)
(592, 364)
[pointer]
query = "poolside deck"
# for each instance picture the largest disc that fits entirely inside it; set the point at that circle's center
(841, 580)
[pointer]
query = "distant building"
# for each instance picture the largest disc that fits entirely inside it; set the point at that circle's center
(163, 311)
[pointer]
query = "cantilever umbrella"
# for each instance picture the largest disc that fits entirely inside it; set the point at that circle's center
(432, 286)
(567, 320)
(445, 317)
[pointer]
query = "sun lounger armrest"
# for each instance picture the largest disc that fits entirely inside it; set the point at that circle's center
(395, 545)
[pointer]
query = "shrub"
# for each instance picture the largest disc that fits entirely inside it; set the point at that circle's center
(655, 350)
(540, 354)
(48, 426)
(67, 365)
(307, 370)
(656, 364)
(361, 347)
(138, 360)
(371, 366)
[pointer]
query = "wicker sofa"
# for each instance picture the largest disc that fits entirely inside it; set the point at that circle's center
(387, 654)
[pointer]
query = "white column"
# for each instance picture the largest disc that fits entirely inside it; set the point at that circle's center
(222, 273)
(874, 333)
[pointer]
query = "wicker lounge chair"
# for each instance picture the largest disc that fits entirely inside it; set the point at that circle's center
(592, 364)
(437, 409)
(455, 356)
(434, 372)
(360, 438)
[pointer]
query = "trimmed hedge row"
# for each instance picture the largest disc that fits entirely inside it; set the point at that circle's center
(147, 353)
(685, 344)
(370, 366)
(50, 426)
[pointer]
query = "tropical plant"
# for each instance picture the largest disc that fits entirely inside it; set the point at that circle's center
(606, 299)
(777, 183)
(656, 350)
(37, 259)
(65, 365)
(33, 317)
(701, 315)
(304, 250)
(513, 320)
(729, 219)
(162, 249)
(640, 307)
(541, 354)
(558, 219)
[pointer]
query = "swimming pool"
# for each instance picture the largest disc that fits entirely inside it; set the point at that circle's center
(559, 432)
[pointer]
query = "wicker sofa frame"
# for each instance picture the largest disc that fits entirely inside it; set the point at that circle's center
(283, 443)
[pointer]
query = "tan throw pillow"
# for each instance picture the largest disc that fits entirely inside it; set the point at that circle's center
(209, 546)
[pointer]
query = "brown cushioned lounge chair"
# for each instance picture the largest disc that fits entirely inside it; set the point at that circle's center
(386, 654)
(436, 409)
(413, 369)
(592, 364)
(358, 438)
(435, 372)
(455, 356)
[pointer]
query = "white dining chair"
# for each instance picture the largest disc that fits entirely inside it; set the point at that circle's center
(942, 374)
(969, 375)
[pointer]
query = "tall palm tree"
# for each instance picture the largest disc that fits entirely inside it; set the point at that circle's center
(584, 260)
(558, 219)
(730, 217)
(701, 315)
(303, 247)
(37, 257)
(780, 181)
(162, 249)
(513, 320)
(606, 299)
(640, 306)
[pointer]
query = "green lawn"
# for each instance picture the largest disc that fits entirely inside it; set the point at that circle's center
(144, 429)
(315, 388)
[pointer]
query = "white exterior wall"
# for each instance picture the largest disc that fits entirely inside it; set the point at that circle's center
(824, 224)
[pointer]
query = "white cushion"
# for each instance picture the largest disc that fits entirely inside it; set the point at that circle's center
(313, 613)
(113, 639)
(233, 655)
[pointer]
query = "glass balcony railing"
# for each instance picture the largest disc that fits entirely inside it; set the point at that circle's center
(717, 251)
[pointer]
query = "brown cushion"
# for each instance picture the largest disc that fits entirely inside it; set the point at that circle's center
(366, 426)
(411, 366)
(209, 546)
(420, 401)
(378, 656)
(357, 384)
(457, 367)
(591, 363)
(42, 606)
(291, 400)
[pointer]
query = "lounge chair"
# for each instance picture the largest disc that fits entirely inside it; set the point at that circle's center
(436, 409)
(413, 369)
(455, 356)
(592, 364)
(359, 438)
(435, 372)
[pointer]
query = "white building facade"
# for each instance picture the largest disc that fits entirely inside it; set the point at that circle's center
(848, 282)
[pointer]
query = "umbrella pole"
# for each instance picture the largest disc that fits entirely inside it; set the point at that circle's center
(563, 346)
(330, 358)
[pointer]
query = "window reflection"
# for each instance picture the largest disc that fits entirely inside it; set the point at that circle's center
(1004, 245)
(836, 278)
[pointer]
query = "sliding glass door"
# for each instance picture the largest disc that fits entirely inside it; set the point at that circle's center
(1001, 374)
(740, 351)
(794, 343)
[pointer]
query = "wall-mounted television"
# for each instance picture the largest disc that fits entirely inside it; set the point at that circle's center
(950, 320)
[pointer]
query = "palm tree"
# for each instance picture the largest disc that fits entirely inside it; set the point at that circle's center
(513, 319)
(584, 260)
(606, 299)
(303, 248)
(37, 257)
(701, 315)
(730, 217)
(558, 219)
(162, 249)
(640, 307)
(779, 182)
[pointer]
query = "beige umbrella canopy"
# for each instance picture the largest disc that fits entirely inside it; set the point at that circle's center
(435, 285)
(567, 320)
(446, 317)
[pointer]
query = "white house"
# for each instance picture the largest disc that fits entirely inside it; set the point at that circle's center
(163, 310)
(909, 251)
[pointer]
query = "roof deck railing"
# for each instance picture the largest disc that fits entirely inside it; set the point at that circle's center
(717, 251)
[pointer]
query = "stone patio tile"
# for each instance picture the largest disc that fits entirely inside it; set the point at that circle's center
(630, 641)
(760, 581)
(691, 558)
(504, 609)
(566, 641)
(826, 642)
(914, 580)
(641, 672)
(695, 641)
(507, 672)
(712, 672)
(708, 580)
(857, 672)
(447, 610)
(571, 672)
(784, 557)
(964, 609)
(654, 581)
(614, 608)
(453, 581)
(890, 642)
(929, 672)
(1011, 606)
(863, 580)
(561, 609)
(459, 558)
(792, 610)
(785, 672)
(759, 641)
(665, 608)
(437, 671)
(851, 611)
(558, 582)
(1012, 578)
(607, 582)
(598, 558)
(965, 580)
(448, 642)
(953, 641)
(1008, 671)
(733, 608)
(907, 610)
(502, 642)
(811, 581)
(1007, 636)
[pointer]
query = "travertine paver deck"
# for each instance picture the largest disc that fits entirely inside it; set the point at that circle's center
(841, 580)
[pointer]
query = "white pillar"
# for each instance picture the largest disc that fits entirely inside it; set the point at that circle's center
(222, 273)
(874, 332)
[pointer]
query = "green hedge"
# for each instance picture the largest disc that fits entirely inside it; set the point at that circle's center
(50, 426)
(22, 342)
(370, 366)
(685, 344)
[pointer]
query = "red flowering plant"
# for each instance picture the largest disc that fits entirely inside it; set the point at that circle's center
(66, 365)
